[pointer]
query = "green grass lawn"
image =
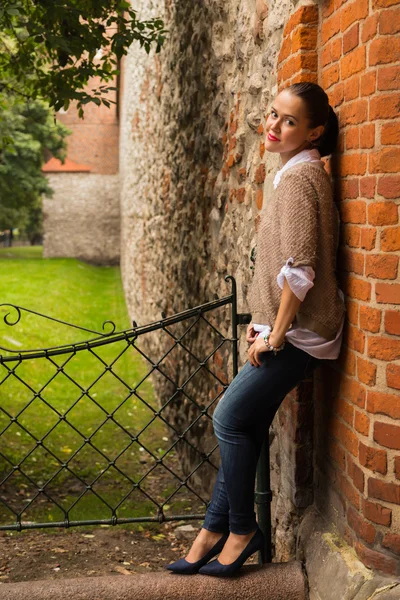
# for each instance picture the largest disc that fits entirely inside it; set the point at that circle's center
(76, 386)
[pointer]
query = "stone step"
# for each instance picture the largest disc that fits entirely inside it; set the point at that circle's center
(271, 581)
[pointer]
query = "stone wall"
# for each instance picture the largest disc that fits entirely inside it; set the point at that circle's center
(194, 178)
(82, 219)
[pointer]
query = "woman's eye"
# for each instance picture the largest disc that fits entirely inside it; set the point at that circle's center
(288, 120)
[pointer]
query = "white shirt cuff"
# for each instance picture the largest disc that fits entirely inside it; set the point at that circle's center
(300, 279)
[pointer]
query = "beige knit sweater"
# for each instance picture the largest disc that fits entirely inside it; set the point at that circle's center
(300, 221)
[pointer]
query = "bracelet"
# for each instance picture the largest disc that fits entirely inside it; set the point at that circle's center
(273, 348)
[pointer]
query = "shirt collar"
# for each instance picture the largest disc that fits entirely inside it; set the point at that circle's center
(306, 155)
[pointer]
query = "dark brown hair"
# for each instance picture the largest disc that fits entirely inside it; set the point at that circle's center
(318, 112)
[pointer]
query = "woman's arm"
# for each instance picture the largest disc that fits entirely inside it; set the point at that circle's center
(288, 308)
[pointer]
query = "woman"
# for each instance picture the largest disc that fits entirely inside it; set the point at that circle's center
(297, 320)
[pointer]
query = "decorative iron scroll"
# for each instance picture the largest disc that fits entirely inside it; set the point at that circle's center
(11, 322)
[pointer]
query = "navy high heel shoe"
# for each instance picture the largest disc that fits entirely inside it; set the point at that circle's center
(188, 568)
(220, 570)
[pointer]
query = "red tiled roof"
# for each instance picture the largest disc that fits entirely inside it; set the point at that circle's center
(54, 165)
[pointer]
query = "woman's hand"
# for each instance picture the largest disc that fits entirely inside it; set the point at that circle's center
(259, 346)
(251, 334)
(255, 350)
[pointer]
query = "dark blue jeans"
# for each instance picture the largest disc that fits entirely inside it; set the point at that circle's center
(241, 422)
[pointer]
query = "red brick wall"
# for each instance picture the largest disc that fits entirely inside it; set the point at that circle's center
(349, 49)
(95, 139)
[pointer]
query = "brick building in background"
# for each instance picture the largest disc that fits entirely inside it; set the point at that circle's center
(82, 219)
(194, 178)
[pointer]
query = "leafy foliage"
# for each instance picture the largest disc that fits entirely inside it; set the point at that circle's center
(51, 48)
(34, 136)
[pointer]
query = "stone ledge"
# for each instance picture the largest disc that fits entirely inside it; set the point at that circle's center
(333, 569)
(274, 581)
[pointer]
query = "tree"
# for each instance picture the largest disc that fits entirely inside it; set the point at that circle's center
(50, 48)
(34, 136)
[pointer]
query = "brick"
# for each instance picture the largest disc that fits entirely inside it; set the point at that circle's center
(368, 238)
(384, 106)
(384, 404)
(387, 293)
(344, 409)
(352, 236)
(260, 174)
(392, 322)
(368, 184)
(373, 458)
(345, 435)
(383, 348)
(353, 62)
(354, 112)
(384, 161)
(353, 212)
(348, 490)
(240, 195)
(389, 21)
(382, 213)
(353, 391)
(388, 78)
(387, 435)
(383, 490)
(377, 513)
(285, 50)
(358, 289)
(337, 453)
(375, 560)
(241, 175)
(397, 467)
(366, 371)
(349, 188)
(356, 474)
(351, 89)
(390, 133)
(350, 38)
(304, 14)
(393, 376)
(354, 338)
(352, 12)
(352, 311)
(367, 136)
(390, 239)
(383, 3)
(368, 82)
(361, 422)
(381, 266)
(392, 541)
(389, 185)
(347, 360)
(369, 28)
(370, 318)
(362, 528)
(384, 50)
(352, 261)
(304, 38)
(353, 164)
(329, 28)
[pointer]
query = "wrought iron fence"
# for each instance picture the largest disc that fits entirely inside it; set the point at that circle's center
(43, 459)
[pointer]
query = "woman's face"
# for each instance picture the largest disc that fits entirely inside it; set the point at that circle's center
(287, 122)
